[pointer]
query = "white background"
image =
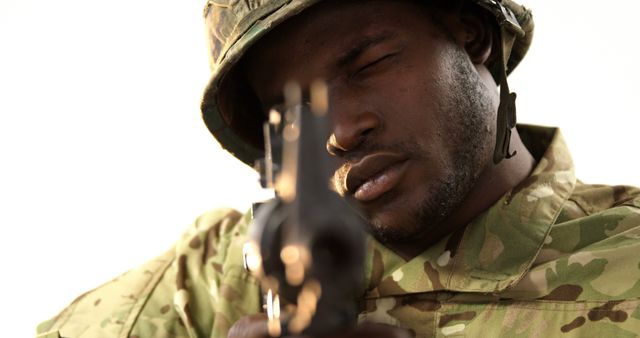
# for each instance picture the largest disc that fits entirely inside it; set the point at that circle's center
(104, 159)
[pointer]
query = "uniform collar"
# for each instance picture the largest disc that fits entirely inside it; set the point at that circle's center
(495, 250)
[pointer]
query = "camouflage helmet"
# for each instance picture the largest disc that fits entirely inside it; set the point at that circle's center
(230, 109)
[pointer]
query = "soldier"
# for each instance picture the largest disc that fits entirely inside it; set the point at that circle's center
(479, 227)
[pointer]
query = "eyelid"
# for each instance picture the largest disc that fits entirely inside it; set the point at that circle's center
(373, 63)
(281, 106)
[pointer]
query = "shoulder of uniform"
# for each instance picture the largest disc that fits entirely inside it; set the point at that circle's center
(212, 234)
(591, 250)
(217, 223)
(212, 287)
(112, 309)
(596, 198)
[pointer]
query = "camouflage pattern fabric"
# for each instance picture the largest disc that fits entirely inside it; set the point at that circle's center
(552, 258)
(199, 288)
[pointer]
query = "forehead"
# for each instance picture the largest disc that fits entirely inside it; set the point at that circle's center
(331, 26)
(310, 45)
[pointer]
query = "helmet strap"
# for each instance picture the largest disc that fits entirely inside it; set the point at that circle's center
(507, 108)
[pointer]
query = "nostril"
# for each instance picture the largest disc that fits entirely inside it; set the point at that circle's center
(350, 131)
(334, 151)
(333, 147)
(366, 132)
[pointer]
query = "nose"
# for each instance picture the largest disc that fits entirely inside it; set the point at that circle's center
(352, 125)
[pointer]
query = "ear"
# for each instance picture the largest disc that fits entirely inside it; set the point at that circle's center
(474, 31)
(479, 39)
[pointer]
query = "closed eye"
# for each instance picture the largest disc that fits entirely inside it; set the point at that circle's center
(372, 65)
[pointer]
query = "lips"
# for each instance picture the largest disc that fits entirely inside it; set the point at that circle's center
(375, 175)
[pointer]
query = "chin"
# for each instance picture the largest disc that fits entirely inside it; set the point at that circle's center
(393, 226)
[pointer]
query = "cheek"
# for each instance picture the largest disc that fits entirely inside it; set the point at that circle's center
(413, 108)
(412, 100)
(416, 89)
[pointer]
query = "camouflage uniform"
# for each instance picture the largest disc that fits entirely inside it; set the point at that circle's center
(554, 257)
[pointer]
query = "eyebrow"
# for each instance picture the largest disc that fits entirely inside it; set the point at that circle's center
(351, 55)
(361, 46)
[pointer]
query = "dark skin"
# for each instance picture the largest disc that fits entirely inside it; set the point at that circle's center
(407, 92)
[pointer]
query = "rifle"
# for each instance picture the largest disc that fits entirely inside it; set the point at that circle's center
(307, 244)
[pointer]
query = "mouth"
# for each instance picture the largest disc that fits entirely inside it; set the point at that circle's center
(374, 175)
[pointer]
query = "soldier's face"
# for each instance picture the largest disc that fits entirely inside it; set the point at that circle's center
(412, 121)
